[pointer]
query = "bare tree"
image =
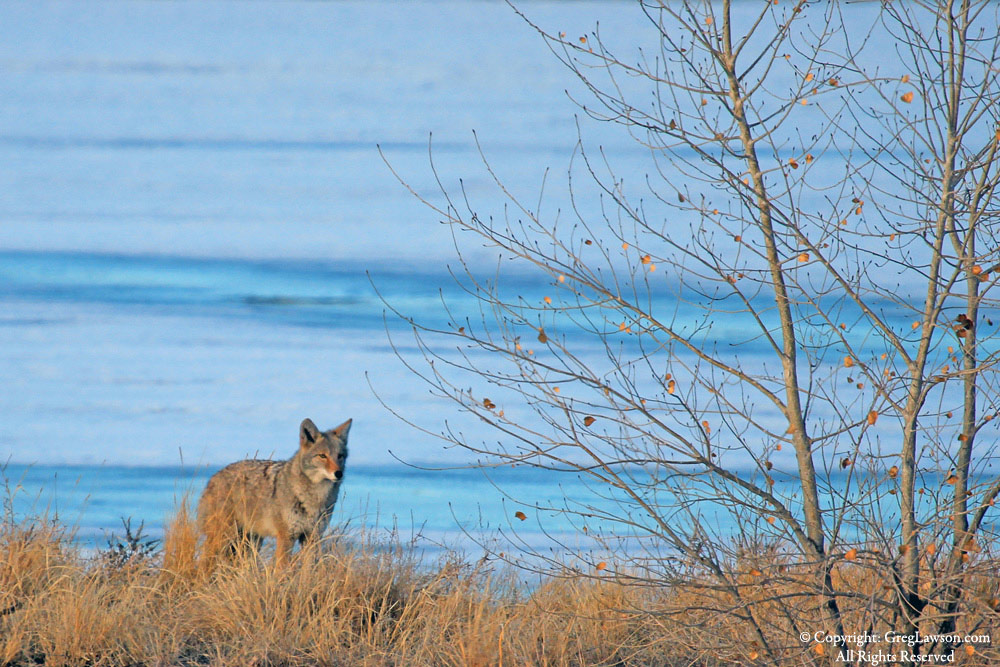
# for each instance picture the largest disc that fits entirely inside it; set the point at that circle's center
(772, 356)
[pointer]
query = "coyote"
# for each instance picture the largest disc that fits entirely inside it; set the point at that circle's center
(289, 500)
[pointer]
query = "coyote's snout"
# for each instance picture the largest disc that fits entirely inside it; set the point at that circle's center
(289, 500)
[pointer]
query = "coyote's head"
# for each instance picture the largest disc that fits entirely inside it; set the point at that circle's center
(323, 454)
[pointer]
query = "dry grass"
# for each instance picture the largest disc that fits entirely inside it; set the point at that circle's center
(350, 603)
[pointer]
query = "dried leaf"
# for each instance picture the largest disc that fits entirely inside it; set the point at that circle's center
(600, 566)
(520, 515)
(542, 338)
(588, 420)
(671, 387)
(952, 479)
(872, 418)
(771, 520)
(931, 548)
(804, 257)
(905, 79)
(809, 77)
(907, 97)
(894, 472)
(848, 362)
(548, 300)
(851, 554)
(793, 163)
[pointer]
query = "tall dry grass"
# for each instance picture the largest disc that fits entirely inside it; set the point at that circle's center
(357, 602)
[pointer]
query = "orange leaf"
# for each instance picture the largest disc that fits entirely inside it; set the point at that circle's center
(548, 300)
(600, 566)
(646, 259)
(905, 79)
(771, 520)
(894, 472)
(709, 20)
(756, 573)
(970, 649)
(562, 278)
(588, 420)
(848, 362)
(976, 270)
(809, 77)
(521, 515)
(872, 418)
(542, 338)
(793, 163)
(952, 479)
(931, 548)
(625, 246)
(818, 649)
(804, 257)
(907, 97)
(671, 387)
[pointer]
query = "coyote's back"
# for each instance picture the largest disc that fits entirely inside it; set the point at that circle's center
(289, 500)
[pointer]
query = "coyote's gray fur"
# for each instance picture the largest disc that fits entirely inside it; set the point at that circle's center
(289, 500)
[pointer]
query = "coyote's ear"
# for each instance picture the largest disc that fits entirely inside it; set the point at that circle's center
(341, 431)
(308, 433)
